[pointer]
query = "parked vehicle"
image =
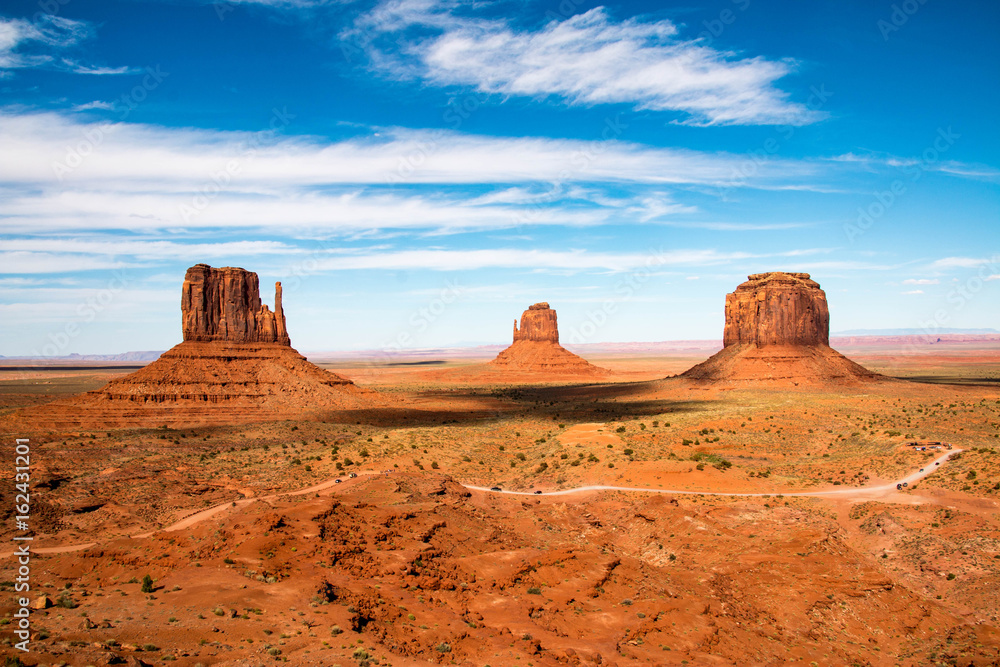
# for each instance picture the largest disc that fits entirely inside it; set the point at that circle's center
(496, 488)
(538, 493)
(899, 487)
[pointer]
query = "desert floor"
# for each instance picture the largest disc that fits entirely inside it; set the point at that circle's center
(258, 556)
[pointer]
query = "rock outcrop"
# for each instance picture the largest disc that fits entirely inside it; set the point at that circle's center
(538, 323)
(777, 309)
(778, 332)
(224, 305)
(536, 347)
(235, 364)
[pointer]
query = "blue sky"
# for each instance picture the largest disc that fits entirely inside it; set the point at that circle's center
(418, 172)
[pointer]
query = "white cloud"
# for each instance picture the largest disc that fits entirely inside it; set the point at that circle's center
(96, 104)
(995, 276)
(144, 249)
(27, 44)
(68, 172)
(915, 291)
(43, 147)
(513, 258)
(915, 165)
(586, 59)
(964, 262)
(921, 281)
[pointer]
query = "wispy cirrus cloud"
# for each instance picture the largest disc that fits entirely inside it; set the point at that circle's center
(40, 43)
(880, 161)
(41, 146)
(68, 172)
(587, 59)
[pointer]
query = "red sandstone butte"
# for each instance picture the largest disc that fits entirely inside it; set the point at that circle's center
(536, 347)
(235, 364)
(778, 331)
(224, 305)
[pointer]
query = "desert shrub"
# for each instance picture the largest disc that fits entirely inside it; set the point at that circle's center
(628, 452)
(620, 429)
(542, 467)
(534, 590)
(434, 465)
(147, 584)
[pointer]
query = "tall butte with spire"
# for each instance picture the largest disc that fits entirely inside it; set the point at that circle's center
(778, 332)
(536, 347)
(235, 364)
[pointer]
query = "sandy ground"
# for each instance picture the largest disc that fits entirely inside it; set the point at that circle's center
(678, 524)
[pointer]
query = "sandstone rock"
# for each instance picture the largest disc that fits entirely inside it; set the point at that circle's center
(778, 332)
(235, 364)
(536, 347)
(777, 309)
(537, 323)
(224, 305)
(43, 602)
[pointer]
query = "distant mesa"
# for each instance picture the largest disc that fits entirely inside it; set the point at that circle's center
(236, 363)
(536, 347)
(778, 331)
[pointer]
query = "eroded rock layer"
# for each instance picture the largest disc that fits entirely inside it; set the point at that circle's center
(235, 365)
(224, 305)
(536, 347)
(777, 309)
(778, 332)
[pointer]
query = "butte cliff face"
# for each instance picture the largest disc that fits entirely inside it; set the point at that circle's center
(224, 305)
(778, 332)
(235, 364)
(777, 309)
(536, 347)
(538, 323)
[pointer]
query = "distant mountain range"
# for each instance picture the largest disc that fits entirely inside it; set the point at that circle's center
(911, 332)
(143, 355)
(489, 350)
